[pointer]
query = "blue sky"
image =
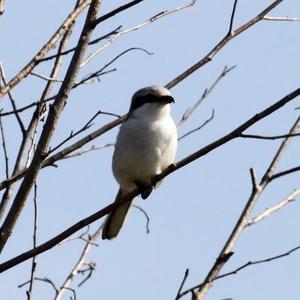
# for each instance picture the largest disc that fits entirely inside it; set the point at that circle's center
(194, 210)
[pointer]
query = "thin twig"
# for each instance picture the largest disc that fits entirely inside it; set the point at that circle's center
(244, 217)
(21, 109)
(232, 16)
(246, 265)
(90, 269)
(186, 274)
(269, 18)
(102, 70)
(187, 114)
(228, 37)
(33, 124)
(136, 27)
(269, 173)
(199, 127)
(45, 77)
(267, 212)
(265, 137)
(45, 279)
(146, 216)
(90, 149)
(256, 262)
(35, 119)
(95, 41)
(6, 159)
(46, 48)
(115, 12)
(48, 129)
(12, 101)
(72, 134)
(285, 172)
(86, 79)
(79, 264)
(33, 264)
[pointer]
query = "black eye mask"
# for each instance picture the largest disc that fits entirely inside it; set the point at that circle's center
(139, 101)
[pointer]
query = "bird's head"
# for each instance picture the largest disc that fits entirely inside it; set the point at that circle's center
(151, 97)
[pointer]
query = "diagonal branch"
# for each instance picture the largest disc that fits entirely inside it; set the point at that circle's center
(229, 36)
(46, 48)
(49, 127)
(79, 264)
(115, 11)
(12, 101)
(226, 251)
(172, 168)
(267, 212)
(31, 129)
(4, 147)
(217, 143)
(206, 92)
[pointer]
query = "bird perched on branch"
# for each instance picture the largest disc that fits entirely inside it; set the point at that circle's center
(145, 146)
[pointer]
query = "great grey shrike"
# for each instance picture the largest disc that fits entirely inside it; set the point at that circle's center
(145, 146)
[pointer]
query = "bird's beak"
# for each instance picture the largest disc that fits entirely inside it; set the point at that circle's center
(168, 99)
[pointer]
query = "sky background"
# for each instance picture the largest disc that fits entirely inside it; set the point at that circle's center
(194, 210)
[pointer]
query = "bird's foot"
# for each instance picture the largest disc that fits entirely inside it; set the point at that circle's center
(145, 189)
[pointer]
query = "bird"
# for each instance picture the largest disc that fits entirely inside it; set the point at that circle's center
(146, 145)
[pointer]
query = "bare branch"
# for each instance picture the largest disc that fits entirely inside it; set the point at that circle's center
(116, 11)
(73, 134)
(86, 79)
(48, 129)
(246, 265)
(270, 137)
(136, 27)
(206, 92)
(199, 127)
(32, 127)
(269, 18)
(48, 46)
(282, 148)
(79, 264)
(186, 274)
(256, 262)
(95, 41)
(21, 109)
(102, 70)
(12, 101)
(285, 172)
(35, 220)
(229, 36)
(45, 279)
(90, 149)
(232, 17)
(255, 185)
(267, 212)
(146, 216)
(243, 219)
(45, 77)
(4, 149)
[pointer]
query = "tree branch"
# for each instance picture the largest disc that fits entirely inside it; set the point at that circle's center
(43, 51)
(172, 168)
(267, 212)
(49, 127)
(212, 53)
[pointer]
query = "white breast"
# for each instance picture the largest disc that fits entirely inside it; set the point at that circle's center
(146, 145)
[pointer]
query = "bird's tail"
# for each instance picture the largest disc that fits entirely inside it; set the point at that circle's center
(115, 219)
